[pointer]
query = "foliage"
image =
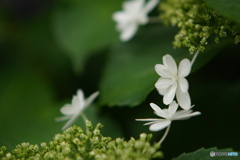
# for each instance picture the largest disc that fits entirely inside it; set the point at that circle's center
(76, 32)
(204, 154)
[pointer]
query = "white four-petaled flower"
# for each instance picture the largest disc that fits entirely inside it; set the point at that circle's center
(73, 110)
(168, 115)
(134, 13)
(173, 82)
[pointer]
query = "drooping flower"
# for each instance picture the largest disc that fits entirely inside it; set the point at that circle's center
(173, 82)
(168, 115)
(73, 110)
(134, 14)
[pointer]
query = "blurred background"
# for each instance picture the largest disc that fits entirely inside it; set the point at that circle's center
(50, 48)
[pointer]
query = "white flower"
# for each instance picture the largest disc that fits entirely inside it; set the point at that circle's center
(168, 115)
(134, 13)
(173, 81)
(72, 111)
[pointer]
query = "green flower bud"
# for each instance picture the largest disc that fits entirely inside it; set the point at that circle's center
(94, 140)
(222, 34)
(197, 22)
(74, 143)
(96, 132)
(237, 39)
(216, 40)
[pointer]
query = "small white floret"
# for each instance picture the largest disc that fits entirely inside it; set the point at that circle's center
(134, 13)
(173, 82)
(72, 111)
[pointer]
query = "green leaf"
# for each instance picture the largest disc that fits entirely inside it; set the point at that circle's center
(85, 26)
(130, 75)
(204, 154)
(229, 8)
(27, 108)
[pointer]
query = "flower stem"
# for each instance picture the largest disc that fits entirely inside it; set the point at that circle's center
(195, 56)
(165, 135)
(84, 117)
(154, 20)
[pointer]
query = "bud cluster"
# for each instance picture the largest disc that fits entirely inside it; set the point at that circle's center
(198, 23)
(75, 143)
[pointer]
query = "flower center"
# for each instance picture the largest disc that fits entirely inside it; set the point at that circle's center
(175, 78)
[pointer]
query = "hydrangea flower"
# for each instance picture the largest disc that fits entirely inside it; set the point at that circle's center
(168, 115)
(73, 110)
(173, 82)
(134, 14)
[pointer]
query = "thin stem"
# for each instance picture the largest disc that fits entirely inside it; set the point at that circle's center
(195, 56)
(165, 135)
(154, 20)
(84, 117)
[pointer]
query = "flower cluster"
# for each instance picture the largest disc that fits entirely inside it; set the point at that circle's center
(198, 23)
(75, 143)
(172, 83)
(134, 14)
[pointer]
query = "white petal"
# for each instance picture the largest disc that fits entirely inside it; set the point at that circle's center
(122, 18)
(63, 118)
(133, 6)
(142, 19)
(165, 111)
(183, 99)
(148, 119)
(150, 123)
(172, 108)
(184, 68)
(158, 110)
(163, 71)
(162, 91)
(186, 116)
(170, 63)
(163, 83)
(91, 98)
(195, 113)
(129, 31)
(150, 5)
(170, 94)
(152, 120)
(70, 122)
(80, 95)
(183, 83)
(181, 113)
(77, 103)
(67, 109)
(159, 125)
(119, 16)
